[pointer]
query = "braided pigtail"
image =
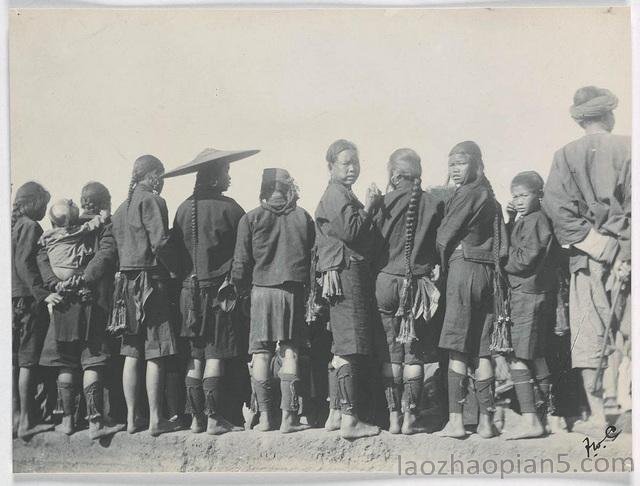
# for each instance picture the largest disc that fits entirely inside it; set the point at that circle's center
(132, 186)
(193, 315)
(405, 309)
(501, 333)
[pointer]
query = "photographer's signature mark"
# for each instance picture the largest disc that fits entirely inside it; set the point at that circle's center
(611, 434)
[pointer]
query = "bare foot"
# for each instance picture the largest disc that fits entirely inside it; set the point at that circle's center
(66, 426)
(395, 422)
(198, 423)
(16, 423)
(162, 427)
(98, 430)
(451, 429)
(265, 422)
(411, 426)
(218, 425)
(486, 428)
(333, 421)
(589, 427)
(136, 424)
(291, 423)
(27, 433)
(352, 428)
(556, 424)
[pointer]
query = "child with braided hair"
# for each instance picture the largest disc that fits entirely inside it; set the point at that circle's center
(407, 261)
(204, 234)
(29, 298)
(142, 304)
(471, 241)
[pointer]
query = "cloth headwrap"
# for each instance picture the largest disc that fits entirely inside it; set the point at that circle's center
(337, 147)
(145, 164)
(472, 150)
(600, 104)
(275, 203)
(29, 191)
(271, 176)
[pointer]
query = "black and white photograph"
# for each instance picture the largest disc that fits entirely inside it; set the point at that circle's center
(328, 240)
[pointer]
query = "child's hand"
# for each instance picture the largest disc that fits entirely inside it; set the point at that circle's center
(373, 197)
(104, 215)
(435, 273)
(511, 210)
(53, 299)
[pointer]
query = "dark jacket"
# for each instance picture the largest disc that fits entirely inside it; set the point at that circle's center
(530, 267)
(141, 232)
(218, 218)
(343, 229)
(390, 222)
(589, 186)
(25, 276)
(273, 248)
(469, 221)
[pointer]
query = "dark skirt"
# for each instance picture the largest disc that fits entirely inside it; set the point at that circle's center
(277, 314)
(153, 337)
(350, 316)
(83, 344)
(218, 334)
(30, 322)
(468, 319)
(531, 315)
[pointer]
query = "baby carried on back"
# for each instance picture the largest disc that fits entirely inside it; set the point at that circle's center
(69, 246)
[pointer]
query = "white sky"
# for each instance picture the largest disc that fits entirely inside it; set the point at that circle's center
(93, 89)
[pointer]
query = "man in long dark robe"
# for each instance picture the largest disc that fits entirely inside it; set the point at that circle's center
(587, 196)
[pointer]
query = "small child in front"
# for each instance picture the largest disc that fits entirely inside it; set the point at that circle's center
(532, 279)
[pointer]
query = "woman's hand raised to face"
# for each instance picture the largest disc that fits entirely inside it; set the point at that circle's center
(373, 198)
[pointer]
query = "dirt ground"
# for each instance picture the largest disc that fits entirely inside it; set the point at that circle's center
(310, 451)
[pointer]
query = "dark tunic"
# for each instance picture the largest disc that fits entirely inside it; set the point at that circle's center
(273, 252)
(30, 318)
(344, 237)
(468, 223)
(532, 279)
(140, 229)
(219, 335)
(76, 336)
(390, 221)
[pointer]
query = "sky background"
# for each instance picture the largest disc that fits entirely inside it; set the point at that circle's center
(91, 90)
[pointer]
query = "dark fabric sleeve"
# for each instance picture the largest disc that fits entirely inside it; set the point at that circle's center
(563, 203)
(463, 207)
(104, 261)
(311, 231)
(155, 219)
(176, 241)
(346, 220)
(242, 267)
(26, 260)
(535, 237)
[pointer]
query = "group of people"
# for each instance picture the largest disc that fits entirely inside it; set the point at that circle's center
(383, 314)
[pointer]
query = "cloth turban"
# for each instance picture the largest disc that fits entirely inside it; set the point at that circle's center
(597, 102)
